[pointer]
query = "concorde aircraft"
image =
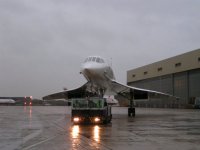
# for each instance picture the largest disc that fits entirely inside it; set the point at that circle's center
(101, 82)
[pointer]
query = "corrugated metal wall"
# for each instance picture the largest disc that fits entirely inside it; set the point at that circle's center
(185, 85)
(194, 83)
(162, 84)
(167, 84)
(181, 87)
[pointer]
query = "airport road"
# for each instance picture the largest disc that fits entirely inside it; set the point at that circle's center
(50, 128)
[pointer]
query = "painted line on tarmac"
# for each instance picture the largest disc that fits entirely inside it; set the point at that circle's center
(32, 135)
(31, 146)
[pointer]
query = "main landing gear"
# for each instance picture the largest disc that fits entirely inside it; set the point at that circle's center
(131, 112)
(131, 109)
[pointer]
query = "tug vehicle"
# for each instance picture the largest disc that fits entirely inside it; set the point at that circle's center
(91, 110)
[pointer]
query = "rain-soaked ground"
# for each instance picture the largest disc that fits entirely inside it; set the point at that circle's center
(50, 128)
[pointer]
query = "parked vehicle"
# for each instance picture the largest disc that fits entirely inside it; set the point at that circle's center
(90, 110)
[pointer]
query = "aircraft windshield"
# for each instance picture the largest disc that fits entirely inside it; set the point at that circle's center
(94, 59)
(91, 103)
(90, 58)
(98, 60)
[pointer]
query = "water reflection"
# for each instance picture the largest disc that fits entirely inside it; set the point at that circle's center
(25, 109)
(75, 131)
(91, 133)
(96, 132)
(75, 137)
(30, 112)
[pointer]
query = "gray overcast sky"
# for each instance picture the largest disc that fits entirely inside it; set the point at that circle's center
(43, 42)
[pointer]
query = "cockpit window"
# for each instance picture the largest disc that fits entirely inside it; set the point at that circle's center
(98, 60)
(101, 60)
(93, 59)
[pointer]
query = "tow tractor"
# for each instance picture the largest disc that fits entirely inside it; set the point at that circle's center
(91, 110)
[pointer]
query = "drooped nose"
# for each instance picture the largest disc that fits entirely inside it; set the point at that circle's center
(87, 68)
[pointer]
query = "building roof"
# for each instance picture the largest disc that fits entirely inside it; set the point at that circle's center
(179, 63)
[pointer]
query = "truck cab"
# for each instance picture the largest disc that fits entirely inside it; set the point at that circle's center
(91, 110)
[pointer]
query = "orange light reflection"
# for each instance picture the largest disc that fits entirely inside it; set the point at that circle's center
(75, 131)
(75, 136)
(96, 133)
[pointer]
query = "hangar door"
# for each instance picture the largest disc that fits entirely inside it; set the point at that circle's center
(194, 83)
(181, 86)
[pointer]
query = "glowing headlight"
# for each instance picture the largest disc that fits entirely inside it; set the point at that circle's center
(96, 119)
(76, 119)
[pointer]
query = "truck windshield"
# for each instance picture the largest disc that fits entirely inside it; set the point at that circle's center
(88, 103)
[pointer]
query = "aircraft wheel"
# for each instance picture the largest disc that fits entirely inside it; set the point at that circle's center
(131, 112)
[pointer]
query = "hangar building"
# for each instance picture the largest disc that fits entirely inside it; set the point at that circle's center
(179, 76)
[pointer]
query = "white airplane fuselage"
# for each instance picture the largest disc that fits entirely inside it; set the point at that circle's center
(98, 74)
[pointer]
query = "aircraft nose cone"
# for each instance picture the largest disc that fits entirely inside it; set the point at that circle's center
(88, 69)
(85, 69)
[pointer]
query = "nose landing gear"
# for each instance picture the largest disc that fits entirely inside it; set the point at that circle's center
(131, 109)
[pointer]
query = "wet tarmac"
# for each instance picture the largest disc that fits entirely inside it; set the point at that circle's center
(50, 128)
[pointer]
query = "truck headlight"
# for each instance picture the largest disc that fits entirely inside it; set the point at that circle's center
(97, 119)
(76, 119)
